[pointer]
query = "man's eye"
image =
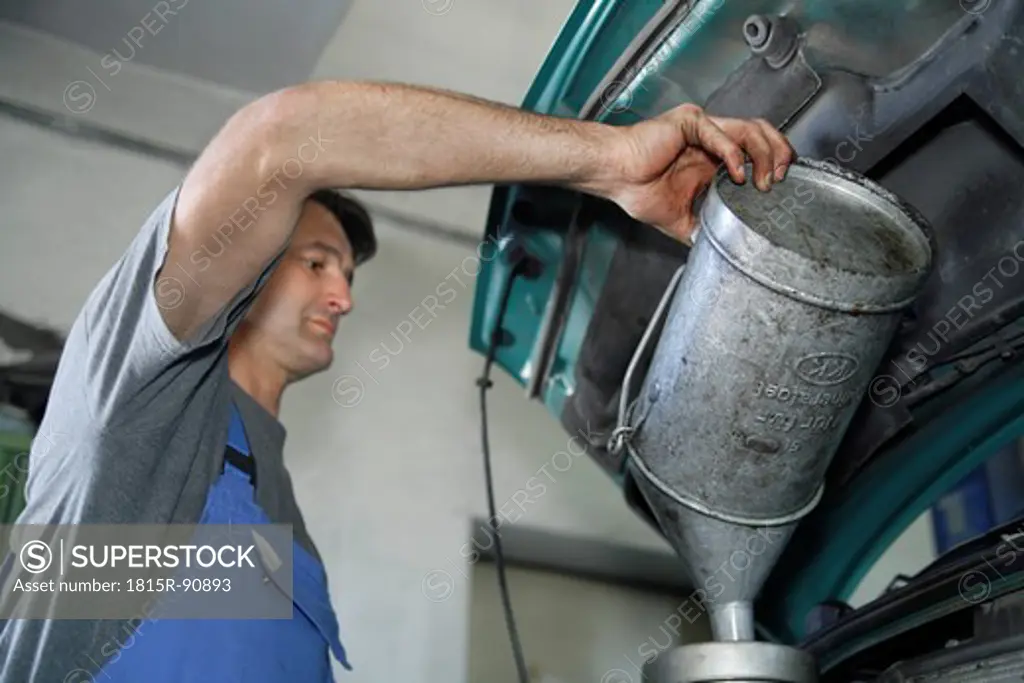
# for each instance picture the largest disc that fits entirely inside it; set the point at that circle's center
(315, 264)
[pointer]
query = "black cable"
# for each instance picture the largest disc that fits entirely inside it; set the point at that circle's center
(485, 383)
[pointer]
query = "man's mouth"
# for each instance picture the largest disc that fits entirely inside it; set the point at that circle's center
(323, 324)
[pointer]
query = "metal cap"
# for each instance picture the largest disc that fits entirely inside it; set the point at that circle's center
(824, 235)
(737, 661)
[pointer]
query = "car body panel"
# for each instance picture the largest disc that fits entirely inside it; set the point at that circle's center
(889, 89)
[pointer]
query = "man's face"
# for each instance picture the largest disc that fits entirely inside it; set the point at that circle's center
(296, 315)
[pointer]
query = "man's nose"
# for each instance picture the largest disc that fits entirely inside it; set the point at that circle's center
(339, 296)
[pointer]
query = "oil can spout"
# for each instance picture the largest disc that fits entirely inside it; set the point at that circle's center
(733, 621)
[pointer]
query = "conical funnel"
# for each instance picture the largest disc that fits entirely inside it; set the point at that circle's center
(727, 563)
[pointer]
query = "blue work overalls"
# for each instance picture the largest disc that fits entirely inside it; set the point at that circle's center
(242, 650)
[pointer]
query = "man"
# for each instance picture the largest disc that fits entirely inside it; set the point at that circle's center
(165, 404)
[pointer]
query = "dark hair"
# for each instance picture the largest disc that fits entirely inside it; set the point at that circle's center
(355, 221)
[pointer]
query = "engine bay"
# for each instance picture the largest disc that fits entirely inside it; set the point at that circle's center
(921, 99)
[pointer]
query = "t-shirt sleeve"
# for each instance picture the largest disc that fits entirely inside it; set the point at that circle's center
(129, 356)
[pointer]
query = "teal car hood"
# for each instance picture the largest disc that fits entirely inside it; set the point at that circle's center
(889, 89)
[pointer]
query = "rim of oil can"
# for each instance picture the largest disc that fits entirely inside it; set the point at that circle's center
(824, 236)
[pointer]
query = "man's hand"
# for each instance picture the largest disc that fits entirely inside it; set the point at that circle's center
(666, 162)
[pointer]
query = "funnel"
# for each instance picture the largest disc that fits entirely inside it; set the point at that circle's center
(769, 338)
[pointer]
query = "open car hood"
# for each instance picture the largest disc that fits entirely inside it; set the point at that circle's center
(922, 97)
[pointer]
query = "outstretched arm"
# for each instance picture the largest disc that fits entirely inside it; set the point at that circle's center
(248, 186)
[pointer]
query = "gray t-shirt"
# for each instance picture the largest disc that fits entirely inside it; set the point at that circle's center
(134, 432)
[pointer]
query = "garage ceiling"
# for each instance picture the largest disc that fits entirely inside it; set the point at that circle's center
(249, 45)
(172, 51)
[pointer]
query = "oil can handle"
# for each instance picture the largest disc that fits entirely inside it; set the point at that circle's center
(622, 430)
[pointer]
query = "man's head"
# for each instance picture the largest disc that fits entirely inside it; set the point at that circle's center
(294, 318)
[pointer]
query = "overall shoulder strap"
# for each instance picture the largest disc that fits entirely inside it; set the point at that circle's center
(237, 451)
